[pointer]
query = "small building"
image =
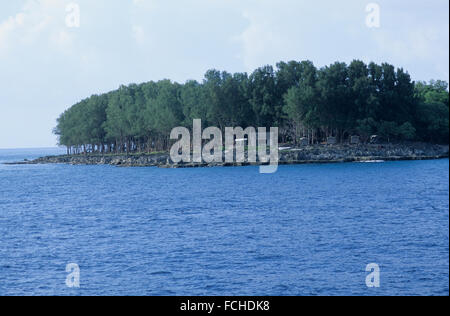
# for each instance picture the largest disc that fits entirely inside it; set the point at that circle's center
(355, 140)
(331, 140)
(304, 141)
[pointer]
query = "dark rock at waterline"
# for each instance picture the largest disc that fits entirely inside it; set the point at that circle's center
(305, 154)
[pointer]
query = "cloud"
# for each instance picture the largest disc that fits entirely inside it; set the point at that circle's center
(39, 20)
(290, 29)
(414, 37)
(257, 39)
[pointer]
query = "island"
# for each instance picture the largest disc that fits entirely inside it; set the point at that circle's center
(337, 113)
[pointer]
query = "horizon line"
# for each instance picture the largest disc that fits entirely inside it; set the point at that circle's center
(36, 147)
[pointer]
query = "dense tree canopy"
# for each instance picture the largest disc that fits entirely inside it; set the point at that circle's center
(337, 100)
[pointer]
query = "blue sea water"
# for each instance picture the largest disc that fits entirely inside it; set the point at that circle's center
(306, 230)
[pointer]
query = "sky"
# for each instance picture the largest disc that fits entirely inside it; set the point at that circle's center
(54, 53)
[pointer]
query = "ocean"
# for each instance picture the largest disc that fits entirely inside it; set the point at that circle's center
(305, 230)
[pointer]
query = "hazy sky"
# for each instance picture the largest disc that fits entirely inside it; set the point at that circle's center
(46, 66)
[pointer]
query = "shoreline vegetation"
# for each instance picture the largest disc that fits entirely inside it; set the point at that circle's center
(338, 113)
(338, 153)
(307, 104)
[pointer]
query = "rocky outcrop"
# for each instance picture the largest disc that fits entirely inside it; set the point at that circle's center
(309, 154)
(364, 152)
(109, 159)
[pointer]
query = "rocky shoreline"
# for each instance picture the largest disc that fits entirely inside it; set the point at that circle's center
(302, 155)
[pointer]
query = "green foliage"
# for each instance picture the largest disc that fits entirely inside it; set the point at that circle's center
(432, 115)
(388, 130)
(303, 101)
(435, 91)
(367, 127)
(433, 122)
(407, 131)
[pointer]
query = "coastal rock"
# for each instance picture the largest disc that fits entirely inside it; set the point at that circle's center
(309, 154)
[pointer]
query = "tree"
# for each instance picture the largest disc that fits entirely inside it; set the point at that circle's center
(335, 103)
(432, 114)
(263, 99)
(300, 99)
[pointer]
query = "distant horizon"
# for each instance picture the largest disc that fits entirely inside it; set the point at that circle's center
(29, 148)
